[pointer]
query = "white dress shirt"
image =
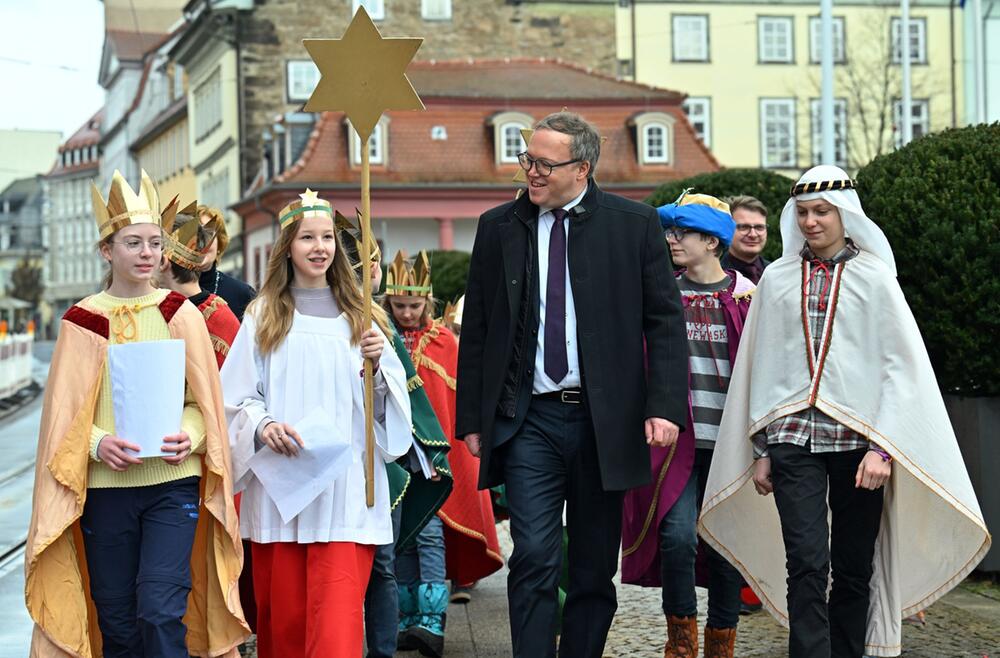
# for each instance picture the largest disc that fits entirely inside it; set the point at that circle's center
(542, 382)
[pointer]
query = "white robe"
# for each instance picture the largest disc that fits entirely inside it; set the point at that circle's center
(877, 380)
(315, 366)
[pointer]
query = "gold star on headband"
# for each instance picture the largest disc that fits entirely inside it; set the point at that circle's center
(363, 74)
(309, 198)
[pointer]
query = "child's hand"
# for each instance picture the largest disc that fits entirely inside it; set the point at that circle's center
(179, 447)
(113, 451)
(282, 438)
(873, 471)
(371, 346)
(762, 476)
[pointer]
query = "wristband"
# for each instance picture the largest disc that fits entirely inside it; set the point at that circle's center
(886, 457)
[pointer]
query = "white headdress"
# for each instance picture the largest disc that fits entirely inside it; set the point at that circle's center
(832, 184)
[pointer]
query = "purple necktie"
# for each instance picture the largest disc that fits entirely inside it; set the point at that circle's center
(556, 365)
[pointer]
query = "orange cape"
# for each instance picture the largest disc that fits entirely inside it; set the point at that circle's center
(57, 588)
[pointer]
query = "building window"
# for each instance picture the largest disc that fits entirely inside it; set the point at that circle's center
(511, 142)
(918, 40)
(654, 143)
(376, 145)
(839, 131)
(816, 40)
(921, 113)
(301, 77)
(690, 38)
(777, 132)
(208, 105)
(775, 40)
(215, 190)
(435, 10)
(654, 132)
(699, 113)
(375, 8)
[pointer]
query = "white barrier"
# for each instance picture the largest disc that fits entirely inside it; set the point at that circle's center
(15, 363)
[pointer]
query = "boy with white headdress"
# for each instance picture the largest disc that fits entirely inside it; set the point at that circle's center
(833, 407)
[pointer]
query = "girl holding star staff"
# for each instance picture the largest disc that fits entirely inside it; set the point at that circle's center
(300, 349)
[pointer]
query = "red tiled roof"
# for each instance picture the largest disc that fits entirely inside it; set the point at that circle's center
(131, 46)
(527, 79)
(87, 135)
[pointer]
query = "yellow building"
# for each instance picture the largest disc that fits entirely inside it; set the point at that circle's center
(752, 74)
(163, 153)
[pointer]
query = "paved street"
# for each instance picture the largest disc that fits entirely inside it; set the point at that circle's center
(963, 625)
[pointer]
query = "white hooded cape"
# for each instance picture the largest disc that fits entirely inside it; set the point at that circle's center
(876, 379)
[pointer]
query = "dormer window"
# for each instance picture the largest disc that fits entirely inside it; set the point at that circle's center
(507, 139)
(378, 144)
(654, 138)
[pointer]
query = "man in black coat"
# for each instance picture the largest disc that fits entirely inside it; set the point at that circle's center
(560, 378)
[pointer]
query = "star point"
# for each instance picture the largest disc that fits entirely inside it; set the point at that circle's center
(309, 198)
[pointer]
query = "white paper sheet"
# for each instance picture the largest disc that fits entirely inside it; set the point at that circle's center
(294, 482)
(425, 466)
(147, 392)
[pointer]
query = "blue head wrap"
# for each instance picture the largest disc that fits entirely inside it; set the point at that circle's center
(699, 212)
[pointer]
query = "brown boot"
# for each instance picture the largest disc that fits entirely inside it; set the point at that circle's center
(719, 642)
(682, 637)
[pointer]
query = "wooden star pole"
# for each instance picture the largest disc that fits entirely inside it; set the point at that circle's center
(363, 75)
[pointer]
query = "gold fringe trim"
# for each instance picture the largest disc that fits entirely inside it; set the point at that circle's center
(420, 360)
(413, 383)
(744, 295)
(652, 507)
(219, 345)
(438, 370)
(216, 303)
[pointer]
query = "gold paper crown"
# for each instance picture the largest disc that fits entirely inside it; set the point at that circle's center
(124, 207)
(309, 205)
(702, 200)
(181, 245)
(404, 279)
(351, 235)
(448, 317)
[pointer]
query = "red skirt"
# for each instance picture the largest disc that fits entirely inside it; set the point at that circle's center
(311, 598)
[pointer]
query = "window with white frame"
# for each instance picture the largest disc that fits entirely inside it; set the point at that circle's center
(376, 145)
(435, 10)
(375, 8)
(921, 118)
(839, 131)
(654, 138)
(208, 105)
(699, 113)
(918, 40)
(301, 78)
(777, 132)
(511, 142)
(816, 40)
(690, 38)
(775, 39)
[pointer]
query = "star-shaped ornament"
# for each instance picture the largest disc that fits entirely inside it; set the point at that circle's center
(521, 175)
(363, 74)
(309, 198)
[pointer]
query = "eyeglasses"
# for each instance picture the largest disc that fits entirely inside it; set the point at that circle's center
(542, 168)
(134, 245)
(748, 228)
(676, 233)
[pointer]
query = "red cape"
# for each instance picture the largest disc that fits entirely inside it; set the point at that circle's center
(472, 551)
(222, 325)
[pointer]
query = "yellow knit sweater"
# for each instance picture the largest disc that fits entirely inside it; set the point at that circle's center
(132, 320)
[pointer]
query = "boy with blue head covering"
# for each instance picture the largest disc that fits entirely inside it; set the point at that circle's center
(699, 229)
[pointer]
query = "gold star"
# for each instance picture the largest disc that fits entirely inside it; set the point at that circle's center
(363, 74)
(521, 175)
(309, 198)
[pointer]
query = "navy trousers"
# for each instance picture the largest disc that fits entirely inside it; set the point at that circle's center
(551, 459)
(138, 544)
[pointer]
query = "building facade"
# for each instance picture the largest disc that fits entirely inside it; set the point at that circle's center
(434, 172)
(24, 153)
(752, 72)
(72, 267)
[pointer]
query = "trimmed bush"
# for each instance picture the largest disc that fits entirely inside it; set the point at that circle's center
(449, 270)
(938, 201)
(771, 188)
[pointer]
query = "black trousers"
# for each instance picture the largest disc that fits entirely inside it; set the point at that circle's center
(807, 488)
(552, 459)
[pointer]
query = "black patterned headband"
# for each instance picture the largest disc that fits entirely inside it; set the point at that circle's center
(823, 186)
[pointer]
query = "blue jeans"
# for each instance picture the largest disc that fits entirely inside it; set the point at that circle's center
(138, 544)
(423, 562)
(678, 552)
(382, 598)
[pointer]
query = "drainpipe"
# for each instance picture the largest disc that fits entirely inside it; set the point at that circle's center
(951, 45)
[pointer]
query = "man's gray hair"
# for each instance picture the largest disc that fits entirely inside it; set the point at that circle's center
(586, 141)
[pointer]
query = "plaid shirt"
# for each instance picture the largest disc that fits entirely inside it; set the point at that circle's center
(811, 426)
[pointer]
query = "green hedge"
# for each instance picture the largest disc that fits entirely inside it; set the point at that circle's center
(449, 269)
(938, 201)
(771, 188)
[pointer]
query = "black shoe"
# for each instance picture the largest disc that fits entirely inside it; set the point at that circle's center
(461, 595)
(404, 641)
(427, 643)
(750, 608)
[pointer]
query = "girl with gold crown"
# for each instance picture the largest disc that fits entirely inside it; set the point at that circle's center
(461, 544)
(296, 363)
(118, 545)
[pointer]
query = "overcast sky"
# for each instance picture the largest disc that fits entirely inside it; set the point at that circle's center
(50, 52)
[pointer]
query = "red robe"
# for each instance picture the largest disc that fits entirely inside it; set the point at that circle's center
(472, 551)
(222, 325)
